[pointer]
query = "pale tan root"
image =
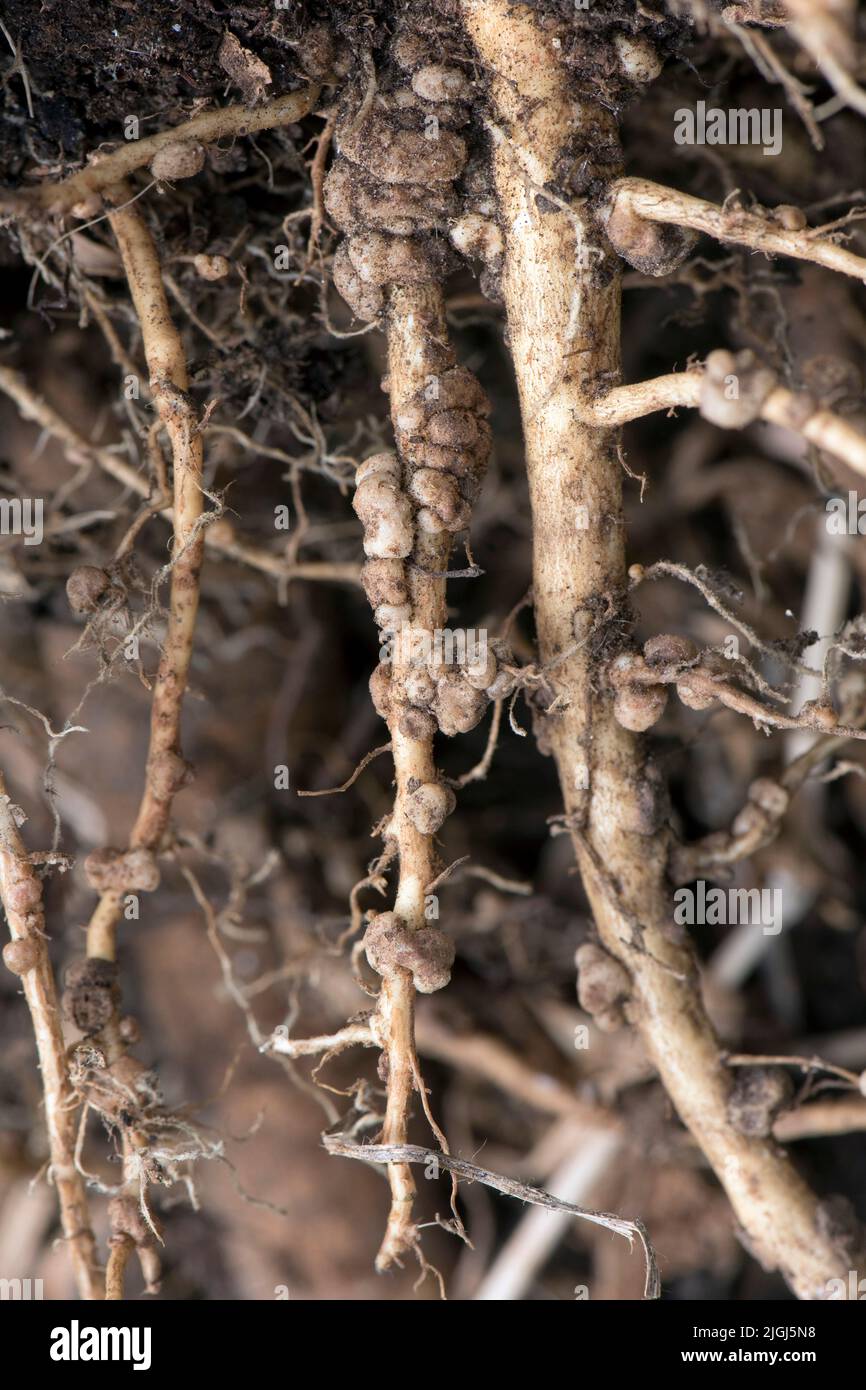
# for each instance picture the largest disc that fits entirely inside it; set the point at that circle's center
(789, 409)
(118, 1258)
(415, 324)
(169, 385)
(564, 333)
(217, 124)
(164, 773)
(20, 884)
(822, 1119)
(734, 224)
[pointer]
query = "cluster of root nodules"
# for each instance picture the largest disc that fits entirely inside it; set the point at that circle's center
(426, 952)
(154, 1144)
(403, 188)
(443, 440)
(438, 693)
(411, 500)
(400, 180)
(404, 499)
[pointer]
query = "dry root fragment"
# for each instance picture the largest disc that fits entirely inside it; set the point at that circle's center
(248, 73)
(120, 870)
(87, 588)
(21, 955)
(603, 985)
(756, 1099)
(429, 806)
(91, 993)
(180, 160)
(654, 248)
(427, 952)
(733, 388)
